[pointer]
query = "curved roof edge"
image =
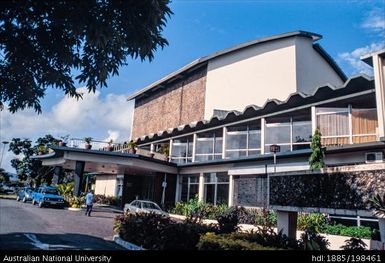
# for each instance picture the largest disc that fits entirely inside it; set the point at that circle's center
(201, 61)
(270, 106)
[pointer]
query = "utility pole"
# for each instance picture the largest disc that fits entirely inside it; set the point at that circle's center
(2, 153)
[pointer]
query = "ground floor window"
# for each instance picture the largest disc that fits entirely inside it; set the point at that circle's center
(216, 188)
(189, 187)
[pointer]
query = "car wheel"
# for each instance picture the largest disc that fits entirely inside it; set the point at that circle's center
(24, 200)
(33, 201)
(41, 204)
(17, 198)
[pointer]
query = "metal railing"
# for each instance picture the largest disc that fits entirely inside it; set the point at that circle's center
(114, 147)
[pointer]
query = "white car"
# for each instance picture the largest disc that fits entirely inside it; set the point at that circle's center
(144, 206)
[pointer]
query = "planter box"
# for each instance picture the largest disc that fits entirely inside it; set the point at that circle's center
(127, 245)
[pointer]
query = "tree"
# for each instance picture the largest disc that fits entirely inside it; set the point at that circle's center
(27, 168)
(316, 159)
(4, 176)
(42, 43)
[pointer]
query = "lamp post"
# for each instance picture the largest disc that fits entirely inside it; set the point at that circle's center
(275, 149)
(2, 152)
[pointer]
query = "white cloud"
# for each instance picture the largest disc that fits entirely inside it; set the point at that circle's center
(102, 118)
(353, 59)
(373, 23)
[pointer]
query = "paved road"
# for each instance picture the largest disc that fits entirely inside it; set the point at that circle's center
(24, 226)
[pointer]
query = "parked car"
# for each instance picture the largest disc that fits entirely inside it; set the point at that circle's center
(144, 206)
(24, 194)
(47, 195)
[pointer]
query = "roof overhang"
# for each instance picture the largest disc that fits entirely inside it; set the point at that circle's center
(368, 57)
(105, 162)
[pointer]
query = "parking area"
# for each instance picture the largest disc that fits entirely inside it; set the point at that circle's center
(24, 226)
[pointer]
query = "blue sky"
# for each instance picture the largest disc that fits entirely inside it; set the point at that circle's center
(198, 28)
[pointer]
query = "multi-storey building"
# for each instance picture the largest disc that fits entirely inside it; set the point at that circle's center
(218, 117)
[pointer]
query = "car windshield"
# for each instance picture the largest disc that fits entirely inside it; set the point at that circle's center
(147, 205)
(50, 191)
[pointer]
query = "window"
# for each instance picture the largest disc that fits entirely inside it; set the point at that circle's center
(209, 146)
(182, 150)
(290, 134)
(243, 141)
(189, 187)
(346, 125)
(216, 188)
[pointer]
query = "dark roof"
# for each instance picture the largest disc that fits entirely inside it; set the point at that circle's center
(204, 60)
(352, 85)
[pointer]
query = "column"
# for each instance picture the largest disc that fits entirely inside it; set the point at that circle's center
(379, 80)
(263, 126)
(194, 149)
(350, 124)
(79, 170)
(287, 222)
(177, 186)
(231, 190)
(313, 120)
(57, 175)
(201, 191)
(224, 143)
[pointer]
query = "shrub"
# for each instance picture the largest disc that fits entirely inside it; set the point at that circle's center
(66, 190)
(77, 201)
(198, 209)
(354, 244)
(351, 231)
(212, 241)
(257, 217)
(107, 200)
(228, 221)
(314, 221)
(311, 240)
(156, 232)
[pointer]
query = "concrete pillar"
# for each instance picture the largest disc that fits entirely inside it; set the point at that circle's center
(201, 191)
(263, 126)
(79, 171)
(231, 190)
(287, 223)
(57, 175)
(313, 120)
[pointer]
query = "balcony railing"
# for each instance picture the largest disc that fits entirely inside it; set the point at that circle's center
(114, 147)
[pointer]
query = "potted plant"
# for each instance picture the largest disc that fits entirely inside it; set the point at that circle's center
(165, 149)
(88, 140)
(64, 140)
(110, 147)
(41, 149)
(378, 203)
(132, 147)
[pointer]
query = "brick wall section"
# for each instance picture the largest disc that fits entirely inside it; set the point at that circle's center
(179, 104)
(344, 190)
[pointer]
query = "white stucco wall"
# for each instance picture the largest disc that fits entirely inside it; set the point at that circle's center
(105, 185)
(312, 69)
(251, 76)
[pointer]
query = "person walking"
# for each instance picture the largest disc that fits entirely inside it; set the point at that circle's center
(89, 202)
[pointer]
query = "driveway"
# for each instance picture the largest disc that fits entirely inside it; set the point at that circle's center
(24, 226)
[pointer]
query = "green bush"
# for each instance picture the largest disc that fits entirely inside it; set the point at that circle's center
(262, 217)
(212, 241)
(314, 221)
(228, 221)
(198, 209)
(107, 200)
(350, 231)
(311, 240)
(156, 232)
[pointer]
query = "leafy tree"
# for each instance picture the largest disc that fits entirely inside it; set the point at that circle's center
(354, 244)
(42, 43)
(4, 176)
(316, 159)
(27, 168)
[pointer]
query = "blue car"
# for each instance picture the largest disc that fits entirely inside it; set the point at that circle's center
(47, 195)
(24, 194)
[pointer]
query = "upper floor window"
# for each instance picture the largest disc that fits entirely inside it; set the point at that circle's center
(209, 145)
(243, 141)
(182, 149)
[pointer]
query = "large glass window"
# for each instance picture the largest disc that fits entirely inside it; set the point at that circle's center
(209, 146)
(243, 141)
(289, 133)
(189, 186)
(182, 150)
(216, 188)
